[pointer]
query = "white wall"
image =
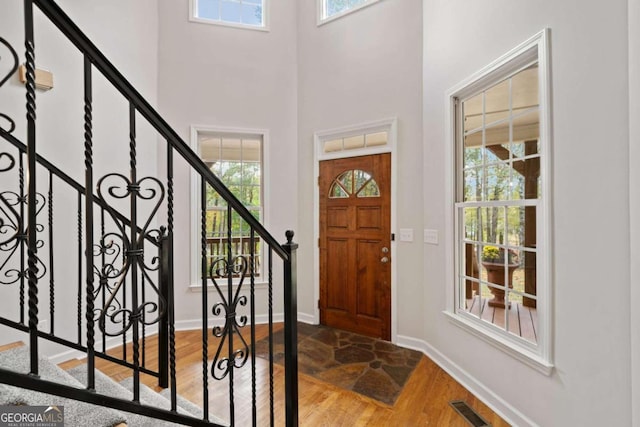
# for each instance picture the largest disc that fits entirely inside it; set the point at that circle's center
(634, 180)
(591, 350)
(115, 28)
(357, 69)
(227, 77)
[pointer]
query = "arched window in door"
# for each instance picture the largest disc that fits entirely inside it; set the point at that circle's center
(356, 183)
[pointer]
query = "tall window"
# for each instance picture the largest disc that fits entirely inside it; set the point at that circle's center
(237, 160)
(331, 9)
(501, 191)
(244, 13)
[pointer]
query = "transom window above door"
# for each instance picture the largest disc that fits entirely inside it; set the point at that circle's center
(329, 10)
(236, 13)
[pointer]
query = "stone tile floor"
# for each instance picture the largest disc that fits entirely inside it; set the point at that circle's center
(372, 367)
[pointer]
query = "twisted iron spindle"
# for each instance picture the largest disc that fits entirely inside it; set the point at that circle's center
(32, 249)
(205, 316)
(171, 314)
(52, 304)
(79, 301)
(21, 236)
(88, 198)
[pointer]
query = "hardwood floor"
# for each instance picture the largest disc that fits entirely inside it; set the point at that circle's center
(423, 401)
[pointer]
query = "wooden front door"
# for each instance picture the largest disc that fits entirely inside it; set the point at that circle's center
(355, 244)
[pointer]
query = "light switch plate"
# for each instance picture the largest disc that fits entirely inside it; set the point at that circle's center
(431, 236)
(406, 235)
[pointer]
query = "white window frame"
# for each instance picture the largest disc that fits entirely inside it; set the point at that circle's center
(193, 9)
(195, 280)
(322, 7)
(539, 355)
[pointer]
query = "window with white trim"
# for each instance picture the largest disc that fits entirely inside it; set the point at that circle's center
(332, 9)
(502, 188)
(236, 159)
(242, 13)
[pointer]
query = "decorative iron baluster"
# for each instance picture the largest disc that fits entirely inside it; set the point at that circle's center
(230, 312)
(205, 304)
(32, 250)
(52, 304)
(172, 328)
(124, 319)
(22, 238)
(144, 331)
(79, 301)
(252, 262)
(134, 250)
(104, 283)
(270, 313)
(228, 268)
(88, 198)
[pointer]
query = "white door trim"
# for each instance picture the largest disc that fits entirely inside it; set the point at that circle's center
(389, 125)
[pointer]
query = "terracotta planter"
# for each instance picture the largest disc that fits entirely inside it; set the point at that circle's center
(495, 275)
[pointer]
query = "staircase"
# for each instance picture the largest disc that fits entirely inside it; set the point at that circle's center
(84, 414)
(111, 283)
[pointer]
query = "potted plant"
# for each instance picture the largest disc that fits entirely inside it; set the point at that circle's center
(493, 260)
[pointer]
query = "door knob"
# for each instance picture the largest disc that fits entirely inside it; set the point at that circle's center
(384, 259)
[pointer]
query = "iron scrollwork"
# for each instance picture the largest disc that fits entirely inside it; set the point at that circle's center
(221, 268)
(119, 243)
(13, 233)
(3, 80)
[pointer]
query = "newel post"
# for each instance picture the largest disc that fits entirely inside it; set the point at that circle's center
(291, 332)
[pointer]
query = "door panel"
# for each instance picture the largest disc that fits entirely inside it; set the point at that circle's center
(369, 218)
(367, 255)
(355, 237)
(337, 297)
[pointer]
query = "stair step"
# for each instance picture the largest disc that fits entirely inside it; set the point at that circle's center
(76, 413)
(15, 357)
(107, 386)
(123, 390)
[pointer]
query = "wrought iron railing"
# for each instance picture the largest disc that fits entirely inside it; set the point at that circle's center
(123, 252)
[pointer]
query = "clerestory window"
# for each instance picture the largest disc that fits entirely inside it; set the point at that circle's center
(332, 9)
(238, 13)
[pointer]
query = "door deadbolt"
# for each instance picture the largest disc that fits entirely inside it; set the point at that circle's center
(385, 250)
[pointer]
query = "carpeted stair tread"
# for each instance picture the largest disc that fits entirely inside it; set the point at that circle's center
(107, 386)
(164, 401)
(76, 413)
(183, 403)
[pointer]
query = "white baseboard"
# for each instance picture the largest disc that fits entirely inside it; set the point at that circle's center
(488, 397)
(189, 325)
(307, 318)
(111, 342)
(181, 325)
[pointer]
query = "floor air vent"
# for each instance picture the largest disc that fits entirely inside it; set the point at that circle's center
(468, 414)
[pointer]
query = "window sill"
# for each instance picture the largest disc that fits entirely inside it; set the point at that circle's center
(211, 288)
(522, 354)
(322, 21)
(229, 24)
